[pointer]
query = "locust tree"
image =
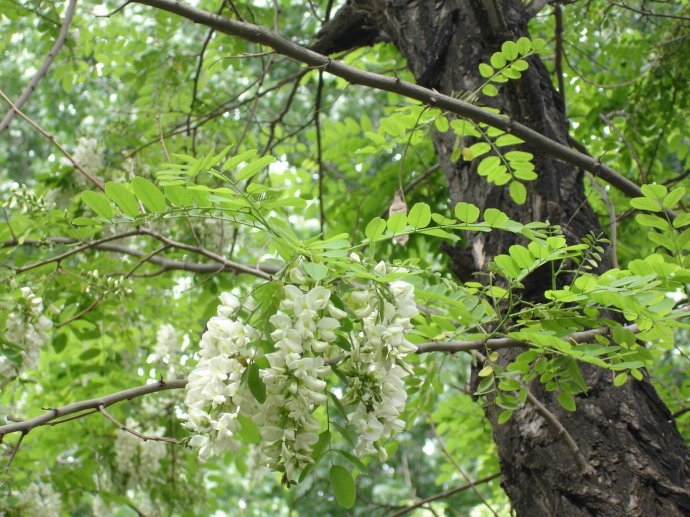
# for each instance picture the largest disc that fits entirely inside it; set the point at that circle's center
(259, 256)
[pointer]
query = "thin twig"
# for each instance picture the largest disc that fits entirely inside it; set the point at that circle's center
(626, 142)
(144, 437)
(613, 224)
(562, 432)
(53, 141)
(558, 15)
(319, 149)
(14, 452)
(460, 470)
(446, 494)
(59, 42)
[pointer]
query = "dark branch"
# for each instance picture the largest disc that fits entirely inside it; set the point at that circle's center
(427, 96)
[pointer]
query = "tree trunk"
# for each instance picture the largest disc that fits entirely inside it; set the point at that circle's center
(638, 463)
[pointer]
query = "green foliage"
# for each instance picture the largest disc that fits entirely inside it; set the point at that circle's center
(128, 278)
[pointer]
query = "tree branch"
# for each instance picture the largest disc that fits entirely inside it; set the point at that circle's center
(53, 141)
(222, 265)
(144, 437)
(26, 426)
(446, 494)
(59, 42)
(433, 98)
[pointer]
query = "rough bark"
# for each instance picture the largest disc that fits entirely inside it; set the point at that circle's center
(639, 463)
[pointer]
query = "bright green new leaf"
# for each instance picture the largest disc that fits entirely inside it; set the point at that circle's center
(375, 228)
(150, 195)
(419, 216)
(396, 222)
(123, 198)
(518, 192)
(254, 167)
(466, 212)
(98, 202)
(485, 70)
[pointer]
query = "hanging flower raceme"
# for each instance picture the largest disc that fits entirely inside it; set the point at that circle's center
(27, 328)
(277, 377)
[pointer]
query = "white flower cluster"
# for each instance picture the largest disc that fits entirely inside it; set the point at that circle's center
(28, 328)
(375, 364)
(24, 200)
(304, 330)
(214, 397)
(139, 460)
(89, 155)
(38, 499)
(306, 326)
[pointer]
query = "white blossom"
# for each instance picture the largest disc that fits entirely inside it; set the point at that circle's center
(304, 332)
(28, 328)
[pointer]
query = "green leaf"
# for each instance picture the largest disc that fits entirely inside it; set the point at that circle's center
(538, 44)
(490, 90)
(233, 162)
(485, 70)
(249, 432)
(441, 124)
(397, 222)
(98, 202)
(520, 65)
(620, 379)
(504, 417)
(652, 221)
(343, 486)
(466, 212)
(566, 399)
(525, 174)
(419, 216)
(673, 197)
(681, 220)
(518, 156)
(498, 60)
(488, 165)
(643, 203)
(505, 140)
(150, 195)
(375, 228)
(524, 45)
(254, 167)
(495, 218)
(315, 270)
(509, 50)
(475, 150)
(656, 192)
(123, 198)
(518, 192)
(256, 385)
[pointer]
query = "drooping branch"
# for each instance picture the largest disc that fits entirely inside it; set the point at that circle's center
(446, 494)
(59, 42)
(53, 141)
(427, 96)
(26, 426)
(219, 265)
